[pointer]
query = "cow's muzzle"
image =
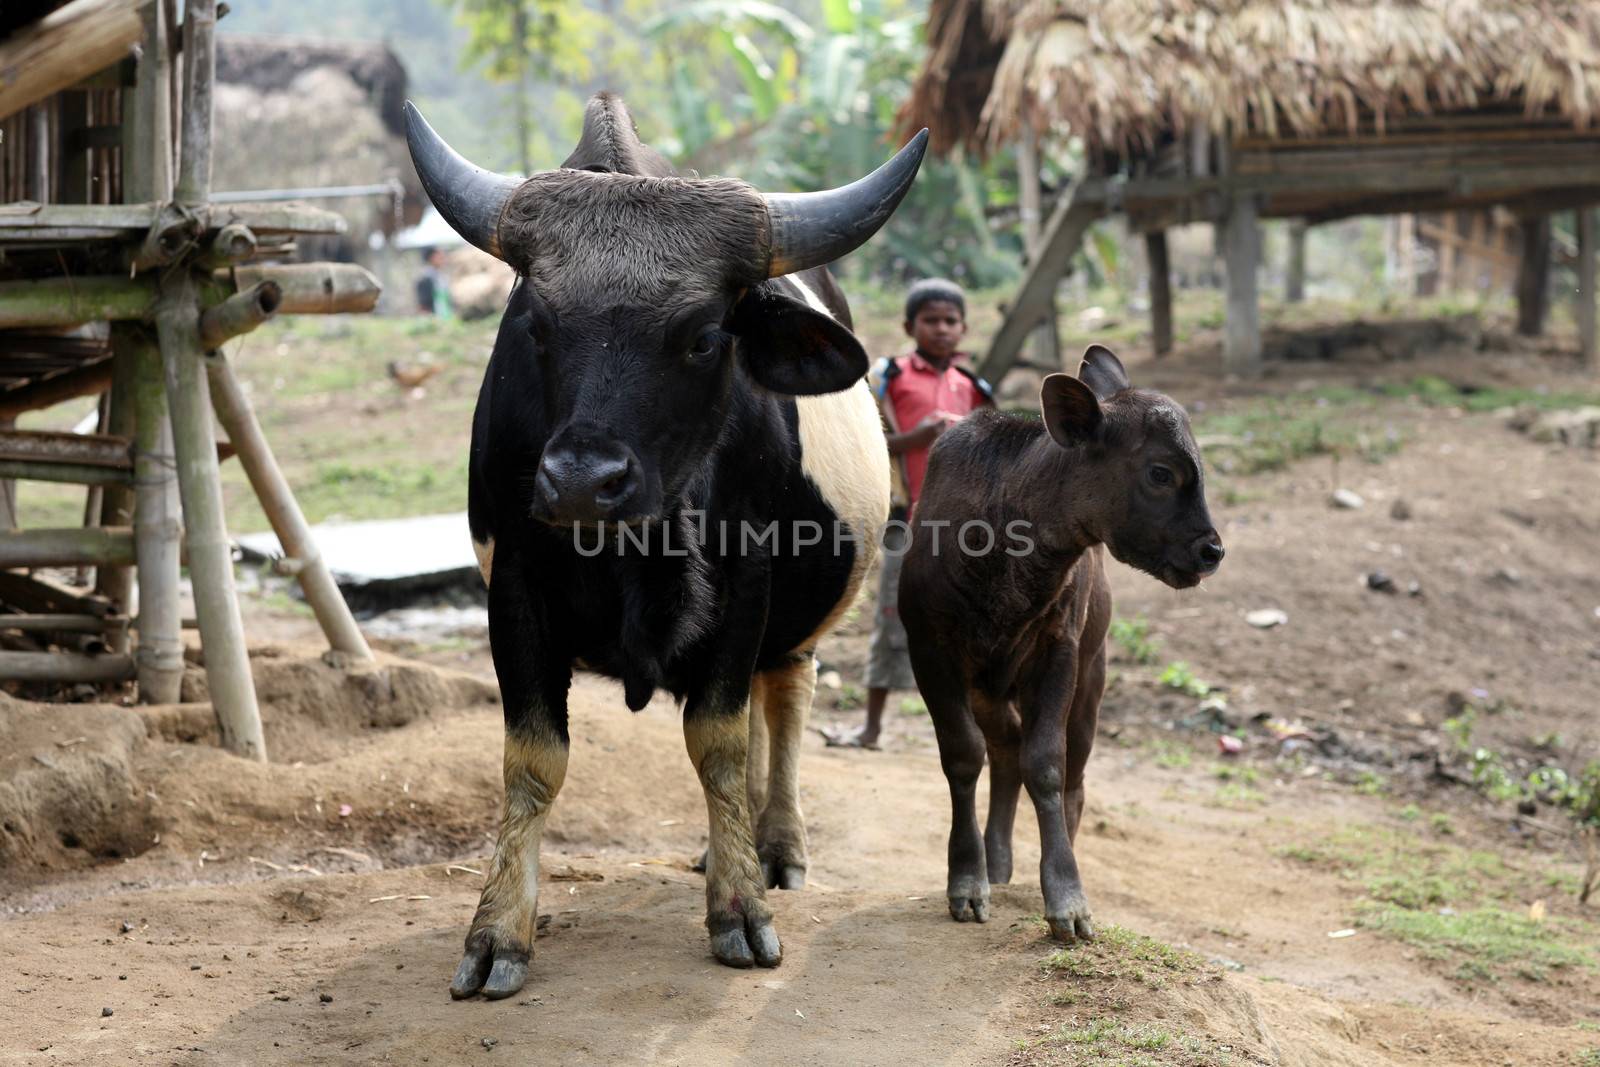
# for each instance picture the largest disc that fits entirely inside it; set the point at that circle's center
(588, 481)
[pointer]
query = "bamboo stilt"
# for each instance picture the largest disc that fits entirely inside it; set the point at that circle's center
(116, 498)
(157, 530)
(1155, 245)
(1587, 340)
(1241, 341)
(70, 547)
(277, 500)
(210, 555)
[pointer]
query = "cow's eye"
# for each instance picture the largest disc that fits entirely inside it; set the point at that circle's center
(706, 346)
(1160, 475)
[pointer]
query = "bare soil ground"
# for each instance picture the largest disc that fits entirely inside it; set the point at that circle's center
(312, 911)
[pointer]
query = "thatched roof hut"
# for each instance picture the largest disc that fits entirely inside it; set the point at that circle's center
(1230, 110)
(1127, 76)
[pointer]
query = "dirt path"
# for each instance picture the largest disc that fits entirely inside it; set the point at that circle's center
(875, 972)
(336, 871)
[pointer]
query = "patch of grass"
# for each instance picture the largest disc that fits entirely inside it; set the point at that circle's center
(1120, 953)
(1484, 936)
(1462, 907)
(850, 697)
(1589, 1057)
(1442, 824)
(1234, 795)
(1132, 636)
(1173, 755)
(1370, 784)
(1410, 813)
(1180, 676)
(1271, 433)
(1229, 772)
(913, 706)
(1437, 392)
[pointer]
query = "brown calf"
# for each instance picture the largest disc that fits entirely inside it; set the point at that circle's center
(1008, 644)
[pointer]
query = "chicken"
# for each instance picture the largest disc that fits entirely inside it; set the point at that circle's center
(412, 375)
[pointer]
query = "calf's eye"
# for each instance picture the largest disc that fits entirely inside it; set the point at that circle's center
(1160, 476)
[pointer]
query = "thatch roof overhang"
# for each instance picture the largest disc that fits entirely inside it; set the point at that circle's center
(1322, 107)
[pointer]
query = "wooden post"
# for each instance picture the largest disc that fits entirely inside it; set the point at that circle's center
(1241, 348)
(216, 601)
(1046, 341)
(1294, 285)
(277, 500)
(1036, 295)
(1533, 275)
(116, 501)
(1155, 249)
(156, 527)
(1588, 345)
(177, 316)
(199, 64)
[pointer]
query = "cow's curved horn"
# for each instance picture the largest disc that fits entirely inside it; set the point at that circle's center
(470, 198)
(810, 229)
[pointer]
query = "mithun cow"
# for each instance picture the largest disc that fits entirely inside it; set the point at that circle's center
(676, 476)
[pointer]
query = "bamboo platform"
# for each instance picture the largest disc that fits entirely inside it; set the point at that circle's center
(131, 297)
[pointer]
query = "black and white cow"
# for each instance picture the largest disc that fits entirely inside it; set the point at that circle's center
(677, 475)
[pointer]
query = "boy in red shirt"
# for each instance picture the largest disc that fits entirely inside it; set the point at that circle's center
(920, 394)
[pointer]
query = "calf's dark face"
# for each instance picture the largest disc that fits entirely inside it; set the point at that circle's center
(647, 301)
(1142, 488)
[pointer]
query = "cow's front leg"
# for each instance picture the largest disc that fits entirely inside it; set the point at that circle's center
(785, 692)
(533, 690)
(716, 730)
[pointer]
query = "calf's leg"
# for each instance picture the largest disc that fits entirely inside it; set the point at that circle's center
(1044, 711)
(533, 693)
(1005, 785)
(1082, 720)
(786, 693)
(716, 730)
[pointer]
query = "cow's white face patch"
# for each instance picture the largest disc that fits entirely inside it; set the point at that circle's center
(844, 454)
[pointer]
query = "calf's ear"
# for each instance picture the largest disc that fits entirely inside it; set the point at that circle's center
(1071, 411)
(1102, 371)
(791, 348)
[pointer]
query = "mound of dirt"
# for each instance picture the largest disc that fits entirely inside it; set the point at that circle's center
(68, 792)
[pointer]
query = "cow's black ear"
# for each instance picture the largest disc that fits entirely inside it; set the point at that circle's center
(791, 348)
(1070, 409)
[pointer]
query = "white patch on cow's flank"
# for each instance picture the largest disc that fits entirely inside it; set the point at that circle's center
(844, 454)
(485, 553)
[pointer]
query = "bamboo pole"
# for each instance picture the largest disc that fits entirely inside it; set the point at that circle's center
(1586, 282)
(1241, 341)
(277, 500)
(156, 526)
(1046, 340)
(73, 546)
(1294, 285)
(80, 381)
(63, 48)
(239, 314)
(305, 289)
(64, 667)
(69, 624)
(1155, 246)
(210, 555)
(200, 488)
(33, 470)
(116, 500)
(199, 67)
(1533, 275)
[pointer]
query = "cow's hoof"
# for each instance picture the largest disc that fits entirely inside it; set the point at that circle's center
(495, 972)
(969, 909)
(1071, 925)
(741, 948)
(780, 875)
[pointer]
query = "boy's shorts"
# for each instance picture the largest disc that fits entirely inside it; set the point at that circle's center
(888, 661)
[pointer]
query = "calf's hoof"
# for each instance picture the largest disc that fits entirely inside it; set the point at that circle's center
(783, 875)
(495, 970)
(1071, 923)
(969, 899)
(746, 942)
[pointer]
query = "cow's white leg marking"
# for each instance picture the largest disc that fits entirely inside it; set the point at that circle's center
(780, 828)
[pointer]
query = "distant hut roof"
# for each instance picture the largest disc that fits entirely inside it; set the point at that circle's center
(1125, 75)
